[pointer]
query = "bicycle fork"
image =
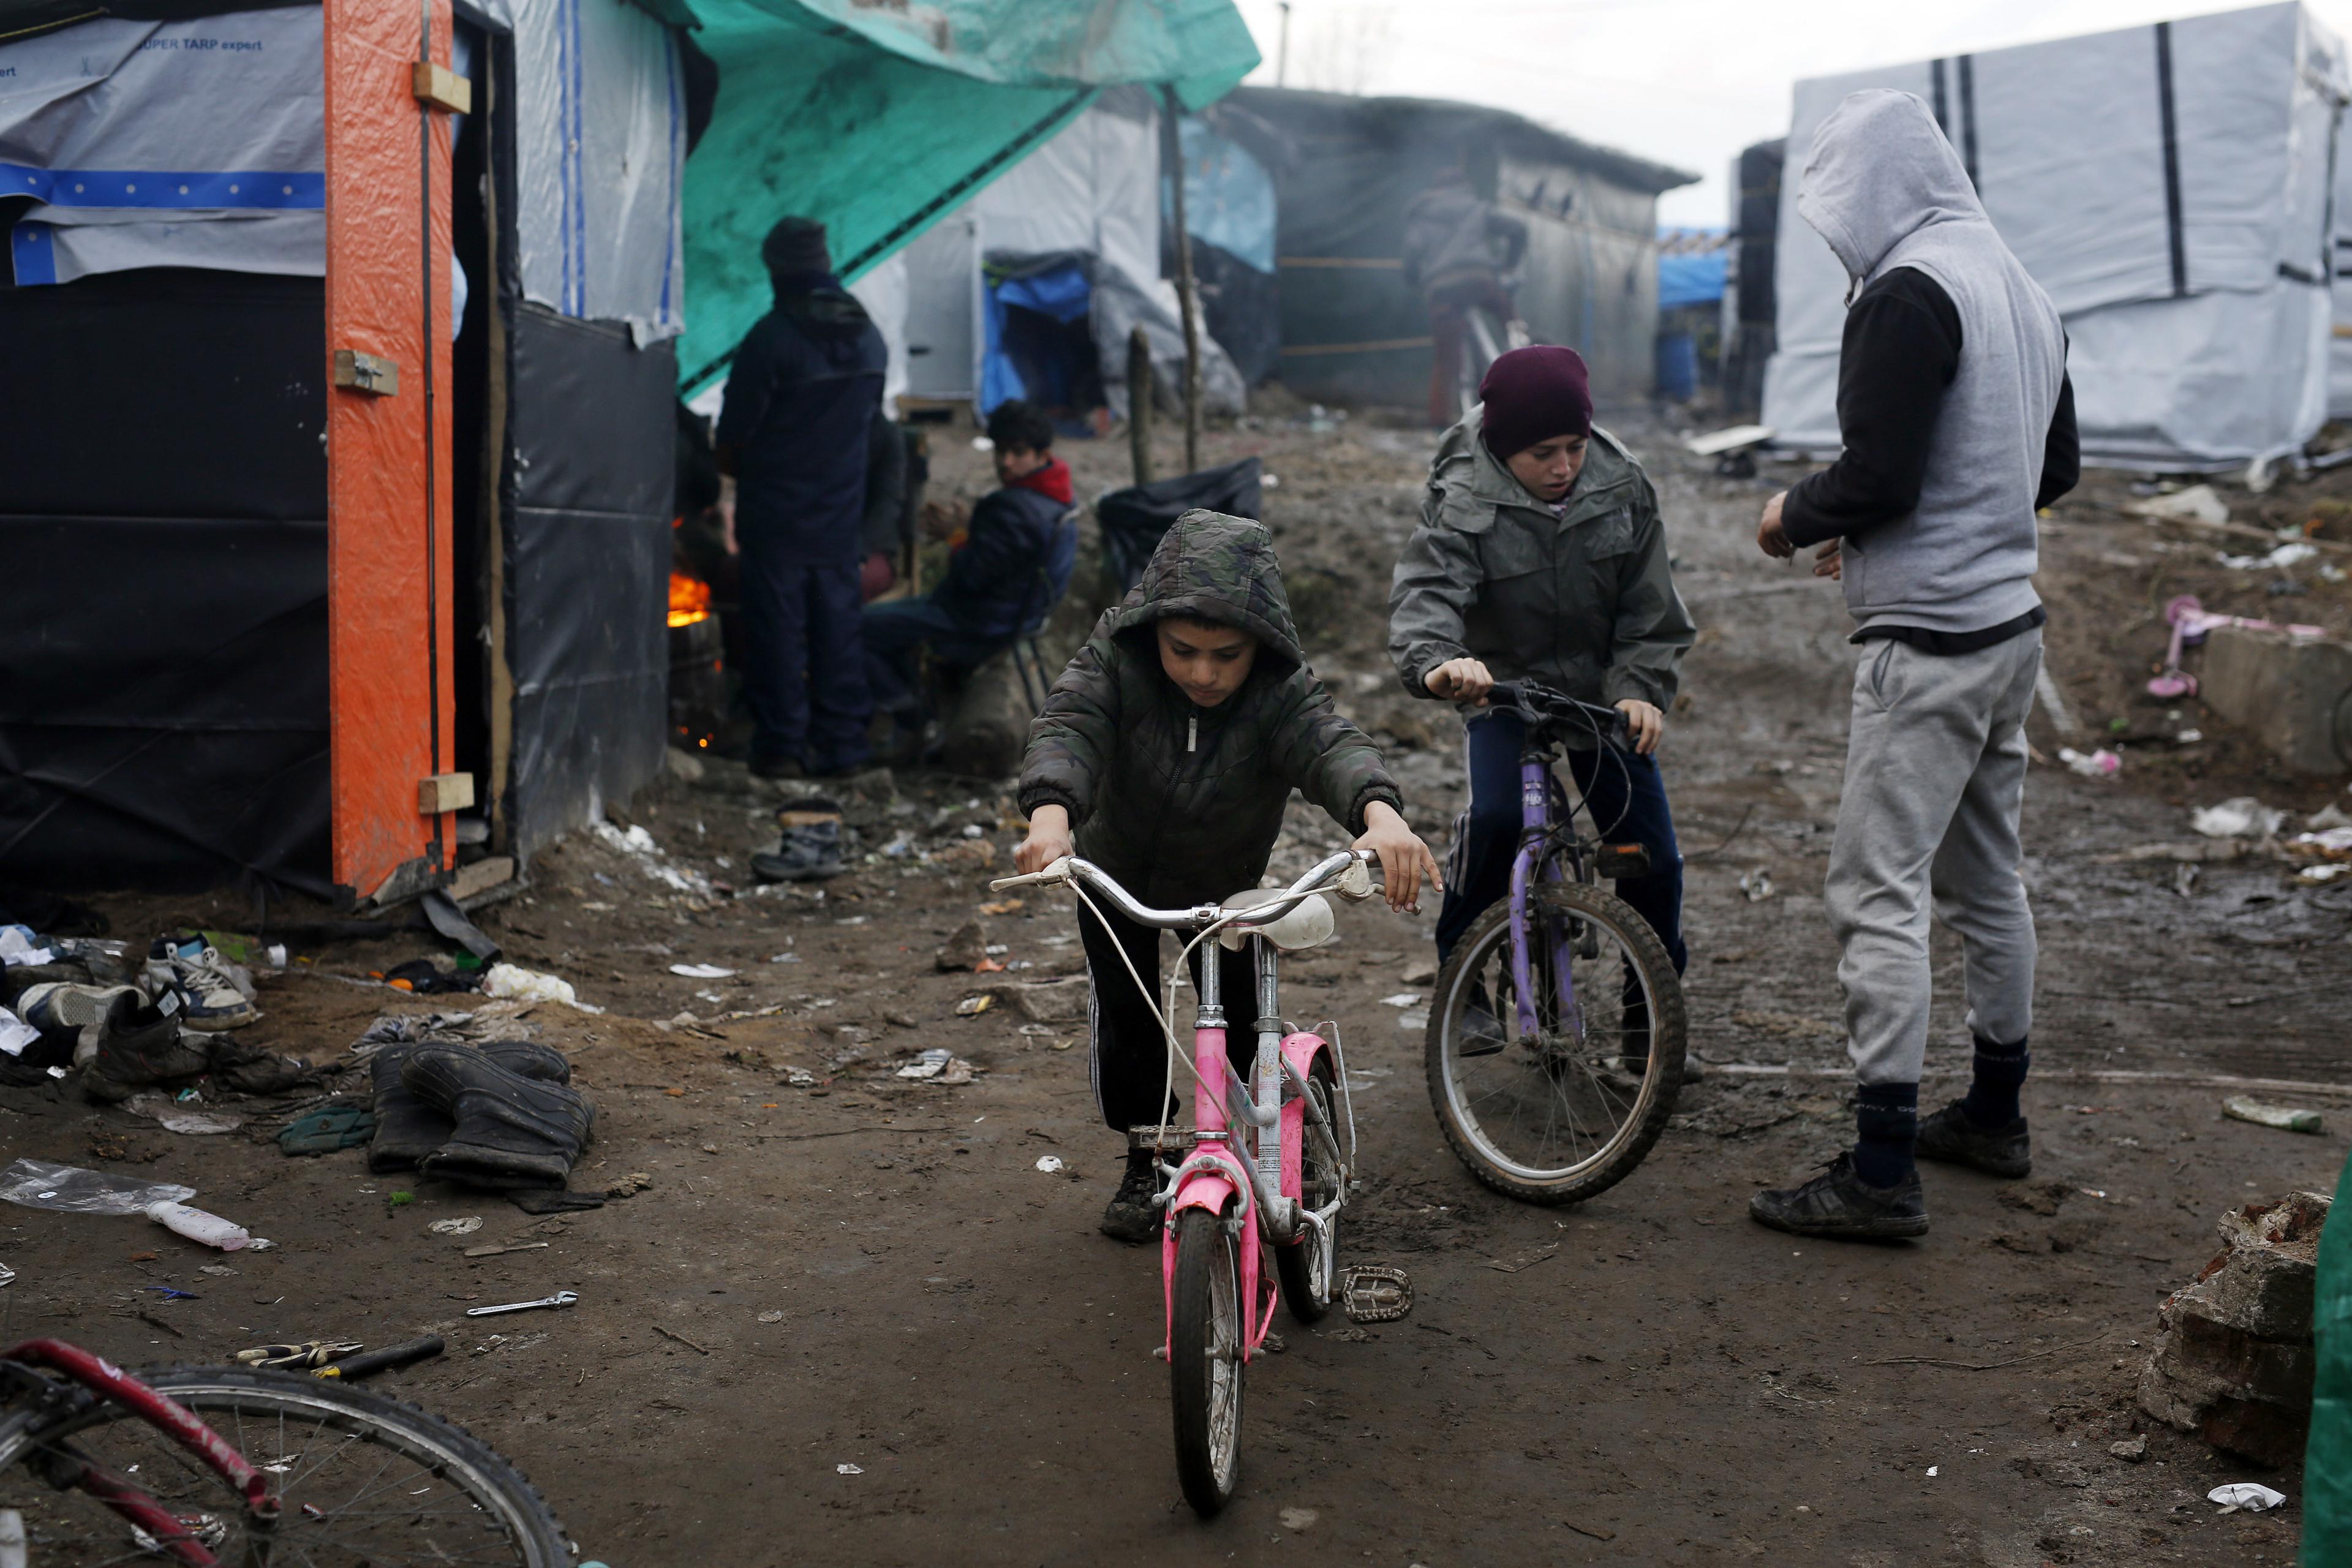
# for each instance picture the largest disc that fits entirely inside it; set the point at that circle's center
(1536, 787)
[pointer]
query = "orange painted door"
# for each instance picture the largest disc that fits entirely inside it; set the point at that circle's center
(388, 483)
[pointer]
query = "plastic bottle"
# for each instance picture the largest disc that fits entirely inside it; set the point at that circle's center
(198, 1226)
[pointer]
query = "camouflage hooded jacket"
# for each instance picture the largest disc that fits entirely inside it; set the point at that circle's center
(1181, 803)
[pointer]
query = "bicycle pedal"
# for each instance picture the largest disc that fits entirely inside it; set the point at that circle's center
(1375, 1293)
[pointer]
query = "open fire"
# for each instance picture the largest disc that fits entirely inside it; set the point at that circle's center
(689, 599)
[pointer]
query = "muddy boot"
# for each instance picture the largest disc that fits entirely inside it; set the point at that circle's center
(510, 1130)
(406, 1128)
(529, 1058)
(1131, 1214)
(121, 1043)
(253, 1069)
(1839, 1205)
(810, 850)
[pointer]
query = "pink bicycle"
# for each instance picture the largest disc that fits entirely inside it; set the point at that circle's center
(1264, 1170)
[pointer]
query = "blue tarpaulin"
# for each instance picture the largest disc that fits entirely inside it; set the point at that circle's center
(1061, 292)
(1691, 277)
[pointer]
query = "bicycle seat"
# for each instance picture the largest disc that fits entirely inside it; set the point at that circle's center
(1307, 924)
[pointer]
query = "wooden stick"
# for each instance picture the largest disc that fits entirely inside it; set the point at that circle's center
(1172, 159)
(681, 1339)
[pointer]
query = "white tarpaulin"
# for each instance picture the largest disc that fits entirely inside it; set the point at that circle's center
(600, 153)
(195, 144)
(2168, 185)
(1092, 193)
(2339, 375)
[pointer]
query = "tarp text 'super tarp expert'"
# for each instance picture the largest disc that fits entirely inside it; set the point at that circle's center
(2167, 185)
(878, 121)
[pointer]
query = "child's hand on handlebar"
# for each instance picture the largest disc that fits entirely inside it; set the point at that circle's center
(1048, 840)
(1459, 681)
(1644, 723)
(1404, 856)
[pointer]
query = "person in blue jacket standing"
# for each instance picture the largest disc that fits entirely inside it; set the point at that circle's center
(806, 384)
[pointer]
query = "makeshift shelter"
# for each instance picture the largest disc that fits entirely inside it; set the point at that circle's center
(1694, 264)
(883, 120)
(1031, 288)
(2168, 185)
(293, 629)
(1344, 169)
(238, 298)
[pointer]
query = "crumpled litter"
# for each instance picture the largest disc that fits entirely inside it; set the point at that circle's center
(478, 1028)
(19, 945)
(163, 1109)
(69, 1189)
(15, 1032)
(700, 971)
(2284, 556)
(639, 845)
(2251, 1496)
(1756, 884)
(2099, 764)
(466, 1227)
(2196, 503)
(309, 1353)
(939, 1065)
(329, 1130)
(2243, 816)
(1049, 1164)
(509, 981)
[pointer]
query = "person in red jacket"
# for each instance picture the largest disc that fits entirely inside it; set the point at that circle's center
(1004, 579)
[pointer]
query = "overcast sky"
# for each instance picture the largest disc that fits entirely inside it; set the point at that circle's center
(1685, 82)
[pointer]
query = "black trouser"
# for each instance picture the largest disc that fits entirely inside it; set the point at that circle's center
(1130, 1055)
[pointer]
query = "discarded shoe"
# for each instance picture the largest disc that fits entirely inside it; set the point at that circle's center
(406, 1128)
(810, 849)
(121, 1044)
(255, 1069)
(1131, 1216)
(1838, 1205)
(509, 1130)
(210, 998)
(1949, 1136)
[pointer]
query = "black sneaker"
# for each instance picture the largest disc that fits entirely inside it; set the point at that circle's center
(1949, 1136)
(1838, 1205)
(1131, 1216)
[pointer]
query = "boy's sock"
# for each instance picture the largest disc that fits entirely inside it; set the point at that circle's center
(1991, 1101)
(1886, 1123)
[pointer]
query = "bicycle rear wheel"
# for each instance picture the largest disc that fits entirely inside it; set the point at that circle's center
(1308, 1269)
(363, 1479)
(1204, 1360)
(1569, 1110)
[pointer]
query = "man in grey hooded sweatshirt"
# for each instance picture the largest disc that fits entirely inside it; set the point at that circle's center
(1957, 423)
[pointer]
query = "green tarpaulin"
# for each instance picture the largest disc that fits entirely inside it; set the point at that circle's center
(879, 120)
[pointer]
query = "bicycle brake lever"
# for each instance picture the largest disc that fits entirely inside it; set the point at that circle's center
(1059, 871)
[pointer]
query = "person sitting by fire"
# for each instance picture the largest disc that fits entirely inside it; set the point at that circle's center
(1006, 571)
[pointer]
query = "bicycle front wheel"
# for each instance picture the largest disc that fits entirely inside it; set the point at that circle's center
(1204, 1360)
(363, 1479)
(1561, 1111)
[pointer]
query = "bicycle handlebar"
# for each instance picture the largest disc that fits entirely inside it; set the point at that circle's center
(1070, 869)
(1538, 703)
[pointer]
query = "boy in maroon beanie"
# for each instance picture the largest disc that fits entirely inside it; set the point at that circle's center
(1540, 557)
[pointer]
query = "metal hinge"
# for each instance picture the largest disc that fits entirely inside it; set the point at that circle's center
(363, 371)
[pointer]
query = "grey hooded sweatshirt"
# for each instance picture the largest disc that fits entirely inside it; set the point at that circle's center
(1886, 189)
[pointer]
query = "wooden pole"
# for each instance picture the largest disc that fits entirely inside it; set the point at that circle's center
(1173, 160)
(1139, 394)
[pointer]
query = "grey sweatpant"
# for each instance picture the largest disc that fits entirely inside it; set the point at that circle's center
(1935, 777)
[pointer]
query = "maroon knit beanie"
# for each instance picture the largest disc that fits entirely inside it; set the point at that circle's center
(1533, 394)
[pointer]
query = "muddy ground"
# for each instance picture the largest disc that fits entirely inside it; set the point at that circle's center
(832, 1266)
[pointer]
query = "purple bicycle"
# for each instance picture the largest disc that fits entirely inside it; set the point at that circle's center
(1554, 1044)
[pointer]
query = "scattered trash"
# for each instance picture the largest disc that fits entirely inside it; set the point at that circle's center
(19, 945)
(2286, 555)
(2189, 737)
(1757, 885)
(198, 1226)
(69, 1189)
(466, 1227)
(499, 1249)
(774, 1315)
(7, 1274)
(293, 1357)
(2191, 621)
(1401, 999)
(556, 1302)
(422, 977)
(700, 971)
(2184, 879)
(2252, 1497)
(507, 981)
(971, 1006)
(1049, 1164)
(2243, 816)
(1931, 1470)
(1413, 1020)
(2195, 503)
(938, 1065)
(2322, 873)
(192, 1123)
(2287, 1119)
(328, 1130)
(855, 1469)
(2131, 1450)
(1298, 1518)
(385, 1359)
(15, 1032)
(2099, 764)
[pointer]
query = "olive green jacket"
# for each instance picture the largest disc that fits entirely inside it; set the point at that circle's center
(1584, 602)
(1183, 803)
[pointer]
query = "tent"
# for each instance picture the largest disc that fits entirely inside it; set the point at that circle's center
(1031, 288)
(2339, 359)
(1344, 168)
(2168, 187)
(352, 455)
(883, 120)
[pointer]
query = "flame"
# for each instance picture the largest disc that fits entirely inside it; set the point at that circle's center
(689, 599)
